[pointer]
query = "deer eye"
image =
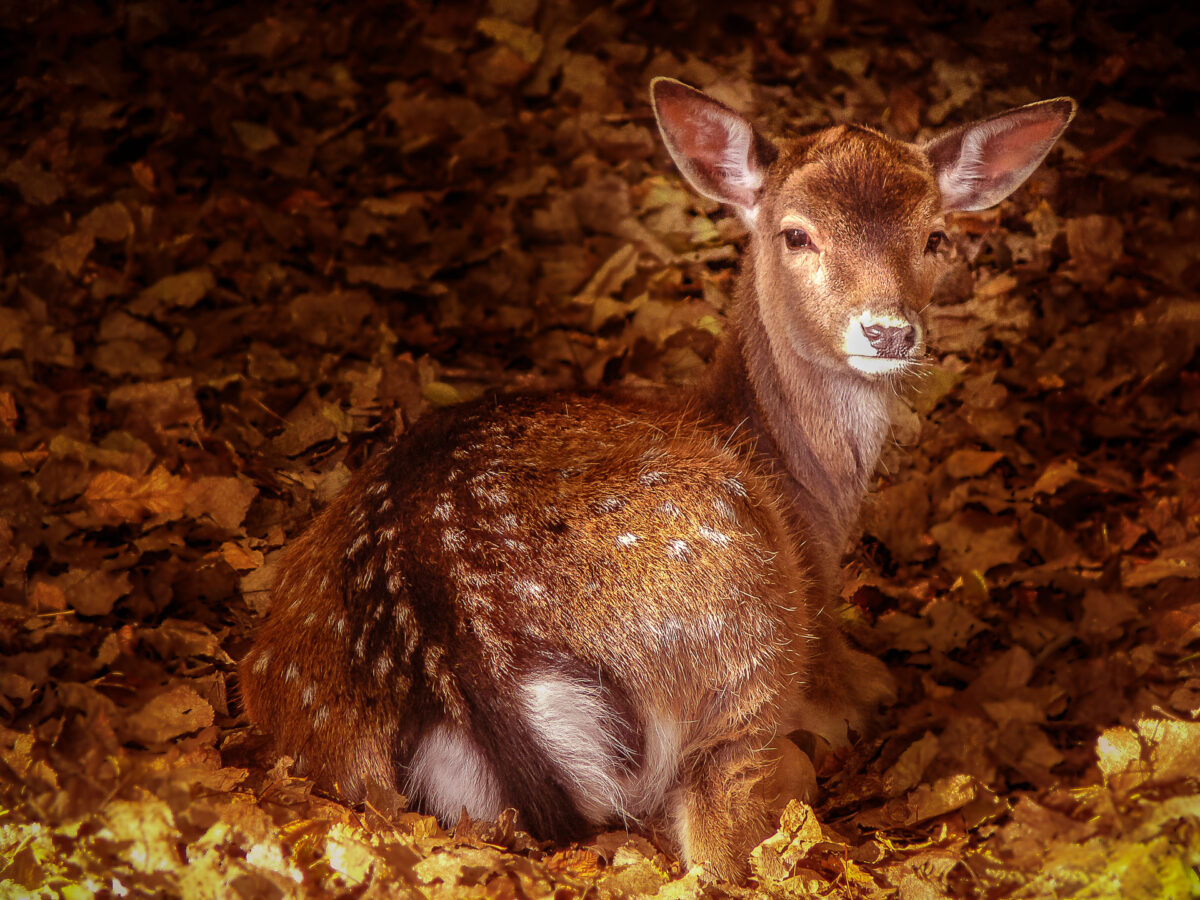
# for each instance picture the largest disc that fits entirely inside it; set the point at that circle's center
(935, 242)
(797, 239)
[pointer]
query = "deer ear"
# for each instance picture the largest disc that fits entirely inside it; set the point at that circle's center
(980, 164)
(717, 150)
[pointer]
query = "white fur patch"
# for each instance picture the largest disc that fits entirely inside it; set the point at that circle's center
(576, 729)
(448, 772)
(571, 722)
(876, 365)
(736, 161)
(864, 357)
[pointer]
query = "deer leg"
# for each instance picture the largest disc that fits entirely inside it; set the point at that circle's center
(718, 815)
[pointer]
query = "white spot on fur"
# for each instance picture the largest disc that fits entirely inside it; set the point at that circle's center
(388, 534)
(448, 772)
(291, 673)
(310, 619)
(321, 716)
(493, 497)
(260, 664)
(309, 694)
(528, 589)
(652, 478)
(359, 543)
(720, 538)
(366, 577)
(383, 665)
(379, 487)
(453, 539)
(609, 504)
(627, 539)
(670, 509)
(360, 646)
(444, 510)
(340, 625)
(385, 505)
(735, 487)
(724, 510)
(678, 549)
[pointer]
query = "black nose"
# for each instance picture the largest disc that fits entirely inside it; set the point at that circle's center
(891, 340)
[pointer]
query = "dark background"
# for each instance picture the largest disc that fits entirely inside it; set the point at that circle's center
(241, 245)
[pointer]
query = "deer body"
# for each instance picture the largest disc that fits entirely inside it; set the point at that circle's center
(600, 608)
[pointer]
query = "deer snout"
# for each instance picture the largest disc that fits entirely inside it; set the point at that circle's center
(878, 343)
(891, 340)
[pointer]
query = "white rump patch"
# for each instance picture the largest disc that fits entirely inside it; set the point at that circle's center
(448, 772)
(578, 731)
(572, 723)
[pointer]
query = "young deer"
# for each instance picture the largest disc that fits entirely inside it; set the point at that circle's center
(597, 608)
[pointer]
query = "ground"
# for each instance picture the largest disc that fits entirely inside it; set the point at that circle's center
(244, 244)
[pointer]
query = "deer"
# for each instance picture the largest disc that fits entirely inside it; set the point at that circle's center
(599, 607)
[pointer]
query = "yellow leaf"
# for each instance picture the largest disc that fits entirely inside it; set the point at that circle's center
(115, 498)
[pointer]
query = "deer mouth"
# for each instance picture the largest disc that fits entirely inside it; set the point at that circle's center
(878, 365)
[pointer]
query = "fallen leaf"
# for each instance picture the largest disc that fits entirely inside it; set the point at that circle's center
(179, 710)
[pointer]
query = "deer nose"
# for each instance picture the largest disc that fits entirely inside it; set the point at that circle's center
(891, 340)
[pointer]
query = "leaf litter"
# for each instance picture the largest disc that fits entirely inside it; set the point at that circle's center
(248, 245)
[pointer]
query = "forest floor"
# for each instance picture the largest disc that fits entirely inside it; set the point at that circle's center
(243, 244)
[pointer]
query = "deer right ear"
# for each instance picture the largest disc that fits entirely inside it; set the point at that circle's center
(980, 164)
(717, 150)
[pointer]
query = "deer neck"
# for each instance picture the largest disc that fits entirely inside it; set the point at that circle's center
(818, 428)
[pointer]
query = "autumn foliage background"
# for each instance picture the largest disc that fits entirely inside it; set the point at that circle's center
(242, 245)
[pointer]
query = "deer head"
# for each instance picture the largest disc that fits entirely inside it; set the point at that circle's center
(847, 225)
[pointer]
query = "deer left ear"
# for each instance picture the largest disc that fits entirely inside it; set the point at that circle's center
(980, 164)
(717, 150)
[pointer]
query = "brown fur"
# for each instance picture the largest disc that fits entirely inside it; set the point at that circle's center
(673, 560)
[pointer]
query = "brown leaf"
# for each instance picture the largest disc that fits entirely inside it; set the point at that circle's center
(971, 463)
(159, 404)
(184, 289)
(943, 796)
(177, 711)
(115, 499)
(223, 500)
(93, 592)
(37, 186)
(906, 772)
(70, 252)
(1095, 243)
(110, 222)
(976, 542)
(898, 516)
(1182, 561)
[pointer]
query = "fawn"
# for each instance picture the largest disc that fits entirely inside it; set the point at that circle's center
(596, 607)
